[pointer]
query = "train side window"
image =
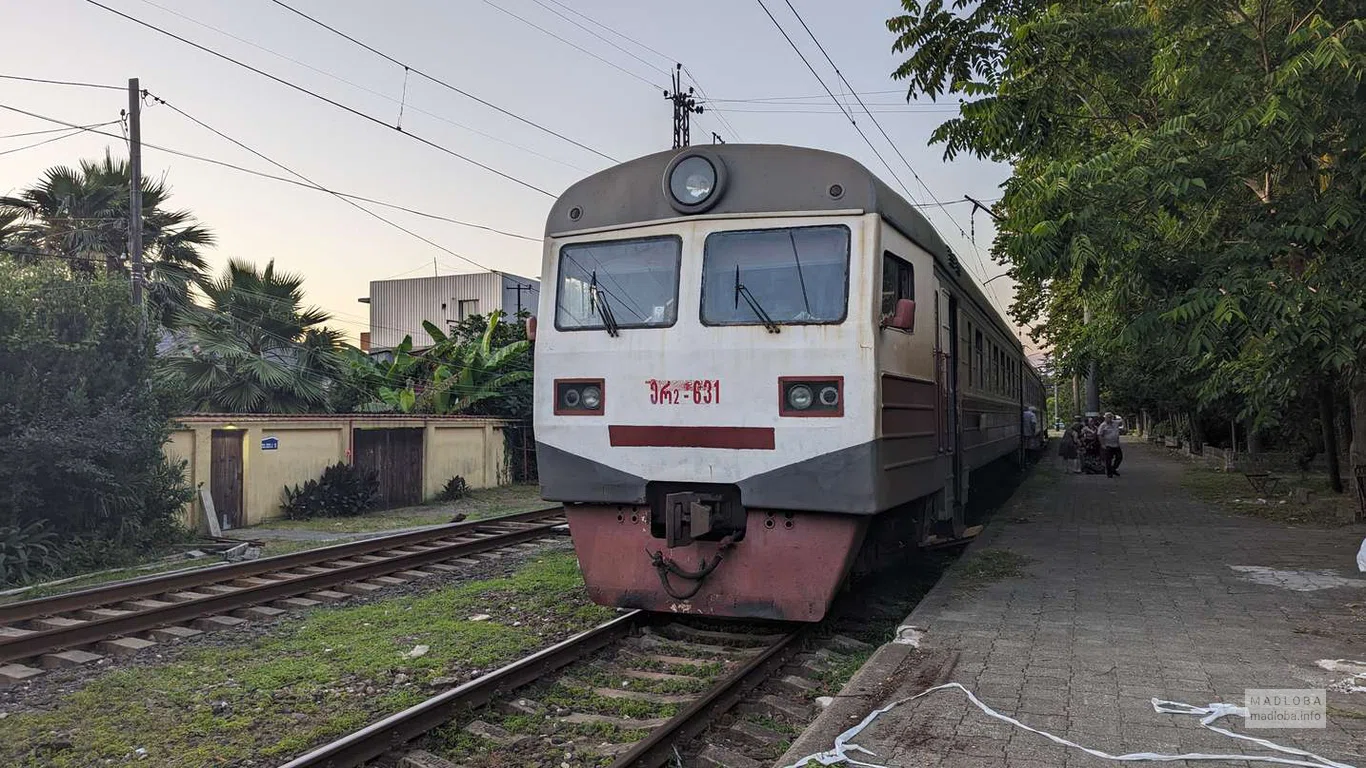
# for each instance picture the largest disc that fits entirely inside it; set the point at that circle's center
(898, 282)
(967, 334)
(980, 346)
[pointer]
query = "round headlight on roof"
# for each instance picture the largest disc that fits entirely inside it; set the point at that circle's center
(693, 181)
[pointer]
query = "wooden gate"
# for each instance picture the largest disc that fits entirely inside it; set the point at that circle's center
(395, 455)
(225, 476)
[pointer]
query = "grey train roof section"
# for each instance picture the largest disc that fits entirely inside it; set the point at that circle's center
(760, 178)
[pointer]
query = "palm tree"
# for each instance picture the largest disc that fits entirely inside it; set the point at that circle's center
(81, 216)
(255, 348)
(469, 373)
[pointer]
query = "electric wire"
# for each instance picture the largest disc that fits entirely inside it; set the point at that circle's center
(443, 83)
(307, 180)
(325, 99)
(65, 82)
(78, 131)
(359, 87)
(272, 177)
(571, 44)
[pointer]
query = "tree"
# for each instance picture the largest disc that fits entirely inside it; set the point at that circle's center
(1192, 172)
(80, 215)
(82, 419)
(255, 348)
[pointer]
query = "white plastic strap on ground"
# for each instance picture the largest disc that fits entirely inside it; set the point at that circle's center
(844, 744)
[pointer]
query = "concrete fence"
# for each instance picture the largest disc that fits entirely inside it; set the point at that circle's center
(246, 460)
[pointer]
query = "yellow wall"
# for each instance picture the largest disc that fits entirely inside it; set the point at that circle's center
(471, 448)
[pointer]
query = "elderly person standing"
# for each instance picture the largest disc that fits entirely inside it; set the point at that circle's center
(1110, 452)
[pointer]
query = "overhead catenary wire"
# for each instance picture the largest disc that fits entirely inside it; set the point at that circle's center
(322, 98)
(353, 84)
(307, 180)
(272, 177)
(443, 83)
(571, 44)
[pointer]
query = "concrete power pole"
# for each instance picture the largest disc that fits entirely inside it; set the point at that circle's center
(1092, 376)
(135, 191)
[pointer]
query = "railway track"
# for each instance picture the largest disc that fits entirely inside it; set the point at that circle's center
(125, 617)
(637, 645)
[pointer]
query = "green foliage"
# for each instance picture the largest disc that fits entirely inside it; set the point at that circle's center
(485, 373)
(82, 420)
(26, 552)
(455, 489)
(342, 491)
(1191, 173)
(80, 217)
(255, 348)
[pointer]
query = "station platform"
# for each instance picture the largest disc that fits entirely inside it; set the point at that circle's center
(1085, 598)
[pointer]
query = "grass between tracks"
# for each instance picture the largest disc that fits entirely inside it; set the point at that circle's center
(315, 678)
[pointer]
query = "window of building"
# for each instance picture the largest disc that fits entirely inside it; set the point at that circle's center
(898, 282)
(465, 308)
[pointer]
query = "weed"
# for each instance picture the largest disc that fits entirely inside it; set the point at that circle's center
(988, 566)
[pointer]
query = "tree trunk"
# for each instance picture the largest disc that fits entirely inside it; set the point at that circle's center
(1254, 438)
(1357, 453)
(1330, 437)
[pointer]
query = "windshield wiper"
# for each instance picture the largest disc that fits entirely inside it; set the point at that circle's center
(800, 277)
(595, 295)
(741, 290)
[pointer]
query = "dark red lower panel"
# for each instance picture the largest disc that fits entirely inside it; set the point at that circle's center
(783, 573)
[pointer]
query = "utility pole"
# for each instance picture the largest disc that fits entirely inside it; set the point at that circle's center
(135, 191)
(519, 287)
(1092, 374)
(685, 106)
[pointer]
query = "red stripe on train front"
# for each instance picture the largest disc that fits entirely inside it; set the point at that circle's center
(737, 438)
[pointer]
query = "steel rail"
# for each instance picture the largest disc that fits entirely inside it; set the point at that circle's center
(36, 643)
(392, 732)
(658, 748)
(148, 586)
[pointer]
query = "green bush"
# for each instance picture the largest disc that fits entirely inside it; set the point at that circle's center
(26, 553)
(455, 489)
(342, 491)
(82, 421)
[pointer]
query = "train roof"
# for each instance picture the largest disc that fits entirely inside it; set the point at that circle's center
(760, 178)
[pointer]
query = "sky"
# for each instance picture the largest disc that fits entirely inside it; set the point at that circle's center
(544, 67)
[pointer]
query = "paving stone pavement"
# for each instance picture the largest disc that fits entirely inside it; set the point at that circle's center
(1130, 593)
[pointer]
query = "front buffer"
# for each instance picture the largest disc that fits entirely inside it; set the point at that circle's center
(785, 566)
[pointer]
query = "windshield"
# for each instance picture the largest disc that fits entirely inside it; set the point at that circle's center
(793, 276)
(618, 283)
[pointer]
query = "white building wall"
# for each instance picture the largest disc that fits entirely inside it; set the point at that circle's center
(398, 307)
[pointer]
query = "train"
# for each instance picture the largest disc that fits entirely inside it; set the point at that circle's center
(756, 366)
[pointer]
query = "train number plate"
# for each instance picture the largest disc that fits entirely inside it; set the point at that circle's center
(691, 391)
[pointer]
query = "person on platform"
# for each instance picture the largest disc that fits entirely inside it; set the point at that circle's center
(1069, 448)
(1090, 447)
(1031, 433)
(1110, 452)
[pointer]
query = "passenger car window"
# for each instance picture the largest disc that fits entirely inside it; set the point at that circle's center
(636, 279)
(898, 282)
(796, 275)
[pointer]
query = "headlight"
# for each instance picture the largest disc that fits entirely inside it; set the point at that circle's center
(592, 398)
(570, 398)
(799, 397)
(830, 396)
(692, 180)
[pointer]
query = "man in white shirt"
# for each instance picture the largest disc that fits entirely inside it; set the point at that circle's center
(1110, 452)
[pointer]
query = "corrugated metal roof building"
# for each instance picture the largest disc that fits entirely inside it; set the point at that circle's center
(398, 307)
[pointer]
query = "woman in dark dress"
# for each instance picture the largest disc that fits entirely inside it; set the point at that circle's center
(1090, 449)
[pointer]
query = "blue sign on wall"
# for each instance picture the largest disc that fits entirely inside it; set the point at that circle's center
(270, 443)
